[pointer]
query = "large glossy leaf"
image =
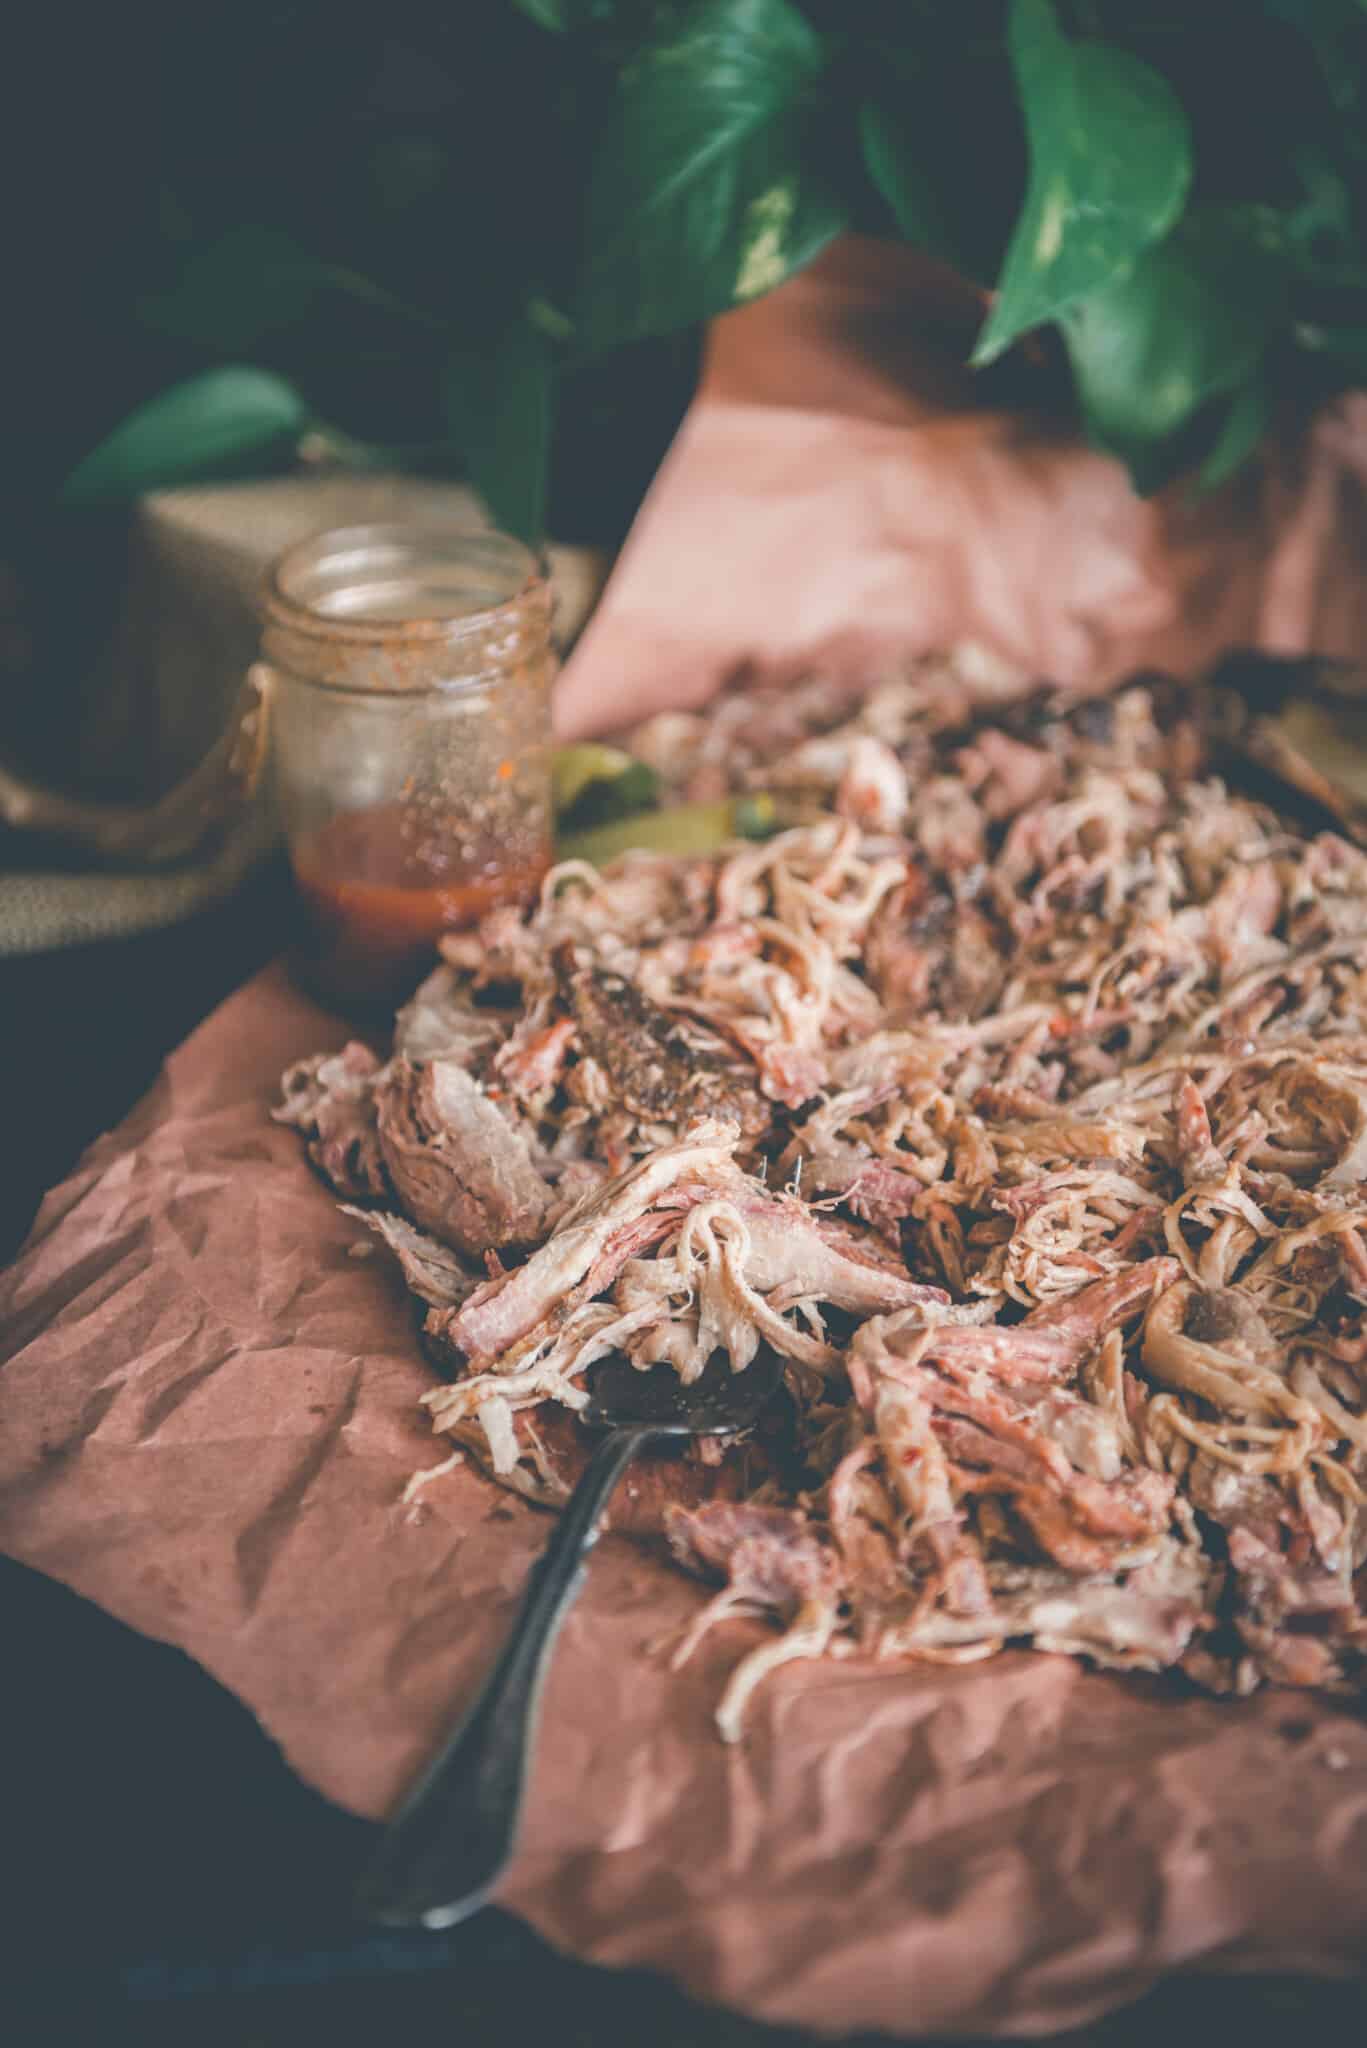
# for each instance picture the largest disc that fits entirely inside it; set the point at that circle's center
(256, 281)
(894, 156)
(700, 197)
(251, 282)
(1110, 164)
(1244, 425)
(498, 403)
(229, 422)
(1189, 323)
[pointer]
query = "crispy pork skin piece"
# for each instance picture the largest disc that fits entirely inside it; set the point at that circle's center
(655, 1073)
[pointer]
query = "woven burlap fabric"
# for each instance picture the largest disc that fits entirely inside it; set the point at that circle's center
(163, 687)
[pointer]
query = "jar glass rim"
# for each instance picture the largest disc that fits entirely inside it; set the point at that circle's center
(305, 590)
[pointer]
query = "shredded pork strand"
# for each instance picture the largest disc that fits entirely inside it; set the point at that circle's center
(1018, 1101)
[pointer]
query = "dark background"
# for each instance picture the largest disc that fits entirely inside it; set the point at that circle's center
(409, 142)
(405, 141)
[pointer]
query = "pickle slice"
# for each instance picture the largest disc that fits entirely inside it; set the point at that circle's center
(592, 784)
(687, 829)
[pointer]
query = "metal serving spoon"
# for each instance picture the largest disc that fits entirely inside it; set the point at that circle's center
(450, 1841)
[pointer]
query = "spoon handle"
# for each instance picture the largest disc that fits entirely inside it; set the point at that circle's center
(446, 1847)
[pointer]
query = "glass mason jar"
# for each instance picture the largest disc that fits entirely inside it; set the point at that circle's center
(409, 673)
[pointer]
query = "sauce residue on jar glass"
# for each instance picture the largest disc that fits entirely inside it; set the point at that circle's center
(378, 893)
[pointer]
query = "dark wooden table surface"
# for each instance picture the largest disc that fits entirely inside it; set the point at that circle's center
(168, 1879)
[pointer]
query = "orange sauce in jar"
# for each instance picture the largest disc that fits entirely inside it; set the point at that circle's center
(377, 897)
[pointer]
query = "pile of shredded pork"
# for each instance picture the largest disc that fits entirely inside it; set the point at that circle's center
(1018, 1100)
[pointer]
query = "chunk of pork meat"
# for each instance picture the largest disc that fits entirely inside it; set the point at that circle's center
(988, 1441)
(532, 1061)
(439, 1022)
(868, 781)
(771, 1557)
(331, 1100)
(432, 1271)
(772, 1562)
(927, 952)
(1073, 1326)
(1140, 1620)
(1049, 1345)
(1006, 774)
(794, 1256)
(1298, 1621)
(460, 1169)
(595, 1240)
(907, 943)
(1199, 1156)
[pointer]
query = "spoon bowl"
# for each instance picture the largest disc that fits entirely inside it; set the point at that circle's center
(720, 1402)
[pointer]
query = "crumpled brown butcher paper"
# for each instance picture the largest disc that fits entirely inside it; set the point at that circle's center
(209, 1376)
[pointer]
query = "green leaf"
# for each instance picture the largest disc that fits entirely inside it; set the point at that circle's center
(1189, 322)
(254, 282)
(1110, 164)
(229, 422)
(580, 766)
(684, 829)
(566, 16)
(594, 785)
(1245, 424)
(699, 197)
(498, 401)
(893, 158)
(546, 13)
